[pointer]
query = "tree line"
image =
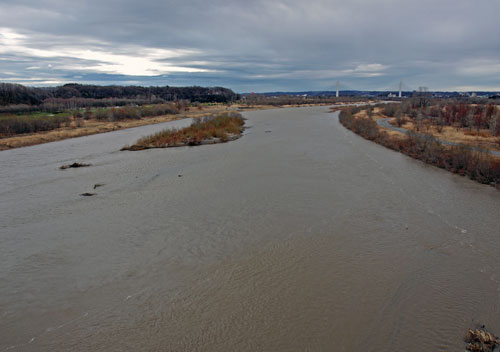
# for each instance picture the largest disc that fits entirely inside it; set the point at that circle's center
(17, 94)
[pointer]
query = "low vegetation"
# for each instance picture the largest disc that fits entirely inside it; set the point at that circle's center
(295, 100)
(12, 124)
(220, 128)
(479, 166)
(133, 112)
(457, 119)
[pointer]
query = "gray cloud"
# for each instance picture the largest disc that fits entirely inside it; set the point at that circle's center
(253, 45)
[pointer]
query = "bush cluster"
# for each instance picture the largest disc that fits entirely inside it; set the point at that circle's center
(135, 112)
(11, 124)
(221, 126)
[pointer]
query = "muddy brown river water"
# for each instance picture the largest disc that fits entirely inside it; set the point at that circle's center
(300, 236)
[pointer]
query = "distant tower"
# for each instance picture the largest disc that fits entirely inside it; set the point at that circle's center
(400, 87)
(337, 94)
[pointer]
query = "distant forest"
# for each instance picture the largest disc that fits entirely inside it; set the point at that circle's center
(16, 94)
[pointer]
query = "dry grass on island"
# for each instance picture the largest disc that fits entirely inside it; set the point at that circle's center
(220, 128)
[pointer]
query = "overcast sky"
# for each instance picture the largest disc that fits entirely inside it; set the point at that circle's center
(253, 45)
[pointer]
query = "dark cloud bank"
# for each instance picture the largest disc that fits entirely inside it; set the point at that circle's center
(253, 45)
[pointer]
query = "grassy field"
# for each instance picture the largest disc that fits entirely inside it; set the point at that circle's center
(11, 124)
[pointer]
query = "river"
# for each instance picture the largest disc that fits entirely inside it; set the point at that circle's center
(299, 236)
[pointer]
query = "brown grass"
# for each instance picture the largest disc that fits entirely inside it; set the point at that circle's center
(482, 139)
(218, 128)
(482, 134)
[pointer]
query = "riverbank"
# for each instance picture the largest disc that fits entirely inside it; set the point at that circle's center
(93, 126)
(479, 166)
(481, 139)
(473, 125)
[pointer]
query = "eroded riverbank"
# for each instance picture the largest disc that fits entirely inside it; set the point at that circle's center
(298, 236)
